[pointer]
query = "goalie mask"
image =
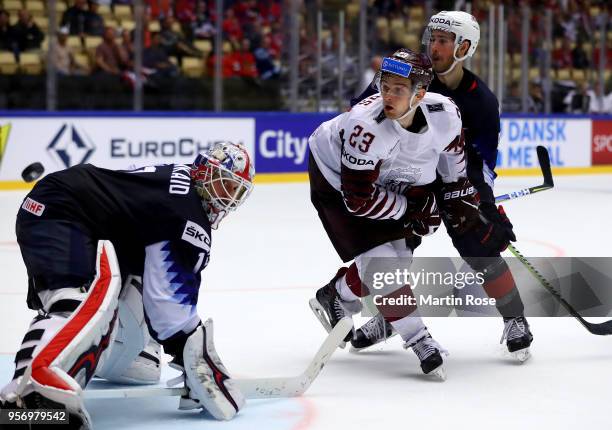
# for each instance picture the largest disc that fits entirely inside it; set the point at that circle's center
(410, 65)
(223, 177)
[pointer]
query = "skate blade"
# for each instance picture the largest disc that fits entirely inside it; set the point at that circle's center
(438, 373)
(521, 355)
(355, 350)
(319, 312)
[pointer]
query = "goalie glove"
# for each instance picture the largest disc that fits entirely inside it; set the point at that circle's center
(422, 217)
(206, 379)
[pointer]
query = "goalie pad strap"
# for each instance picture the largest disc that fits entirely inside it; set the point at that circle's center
(64, 305)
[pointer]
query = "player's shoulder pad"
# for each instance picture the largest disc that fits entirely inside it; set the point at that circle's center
(442, 113)
(364, 135)
(482, 95)
(367, 114)
(435, 102)
(368, 108)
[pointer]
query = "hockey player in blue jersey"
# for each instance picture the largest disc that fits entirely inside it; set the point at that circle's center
(478, 228)
(114, 261)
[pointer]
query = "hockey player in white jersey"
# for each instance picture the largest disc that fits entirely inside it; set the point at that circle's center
(369, 174)
(80, 229)
(479, 229)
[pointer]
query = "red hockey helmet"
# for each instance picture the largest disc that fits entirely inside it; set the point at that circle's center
(411, 65)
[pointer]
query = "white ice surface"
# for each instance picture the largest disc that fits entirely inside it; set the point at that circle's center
(267, 261)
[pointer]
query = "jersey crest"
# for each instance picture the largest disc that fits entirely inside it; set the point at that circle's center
(436, 107)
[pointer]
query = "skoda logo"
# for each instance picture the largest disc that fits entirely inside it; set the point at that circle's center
(71, 146)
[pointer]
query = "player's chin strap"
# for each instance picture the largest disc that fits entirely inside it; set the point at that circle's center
(411, 108)
(455, 62)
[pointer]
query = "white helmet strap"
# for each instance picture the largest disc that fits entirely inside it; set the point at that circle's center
(411, 108)
(455, 61)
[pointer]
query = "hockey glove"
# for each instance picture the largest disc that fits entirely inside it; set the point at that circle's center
(422, 217)
(496, 233)
(358, 189)
(459, 205)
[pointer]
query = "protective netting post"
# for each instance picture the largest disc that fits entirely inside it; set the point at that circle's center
(294, 54)
(526, 16)
(318, 78)
(548, 43)
(501, 54)
(139, 11)
(51, 71)
(218, 78)
(341, 59)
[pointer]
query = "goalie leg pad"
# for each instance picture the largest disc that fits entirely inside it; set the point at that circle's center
(206, 377)
(134, 356)
(65, 364)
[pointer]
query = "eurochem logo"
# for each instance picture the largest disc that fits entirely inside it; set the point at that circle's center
(71, 146)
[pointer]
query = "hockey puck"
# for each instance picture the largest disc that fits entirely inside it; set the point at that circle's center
(32, 172)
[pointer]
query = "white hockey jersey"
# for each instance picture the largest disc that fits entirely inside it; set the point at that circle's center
(364, 140)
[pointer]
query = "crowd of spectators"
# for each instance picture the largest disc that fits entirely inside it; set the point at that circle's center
(577, 28)
(173, 30)
(96, 37)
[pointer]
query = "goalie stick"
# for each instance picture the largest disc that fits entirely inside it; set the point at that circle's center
(544, 161)
(602, 329)
(256, 388)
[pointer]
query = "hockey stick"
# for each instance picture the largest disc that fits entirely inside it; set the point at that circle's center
(544, 161)
(602, 329)
(257, 388)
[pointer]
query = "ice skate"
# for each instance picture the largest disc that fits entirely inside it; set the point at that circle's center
(374, 331)
(430, 354)
(518, 338)
(329, 308)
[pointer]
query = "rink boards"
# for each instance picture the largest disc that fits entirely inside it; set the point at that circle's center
(278, 141)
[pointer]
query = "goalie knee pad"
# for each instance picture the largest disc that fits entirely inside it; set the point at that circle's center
(134, 357)
(63, 366)
(206, 378)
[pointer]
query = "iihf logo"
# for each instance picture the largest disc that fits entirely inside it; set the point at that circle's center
(71, 146)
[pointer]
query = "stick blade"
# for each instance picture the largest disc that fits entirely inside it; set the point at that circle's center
(603, 329)
(256, 388)
(266, 388)
(544, 160)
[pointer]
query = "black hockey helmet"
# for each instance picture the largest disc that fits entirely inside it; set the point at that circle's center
(409, 64)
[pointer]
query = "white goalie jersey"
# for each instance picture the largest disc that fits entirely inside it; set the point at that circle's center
(364, 144)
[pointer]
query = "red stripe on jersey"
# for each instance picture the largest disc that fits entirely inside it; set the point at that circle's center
(97, 292)
(473, 86)
(368, 204)
(379, 207)
(388, 211)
